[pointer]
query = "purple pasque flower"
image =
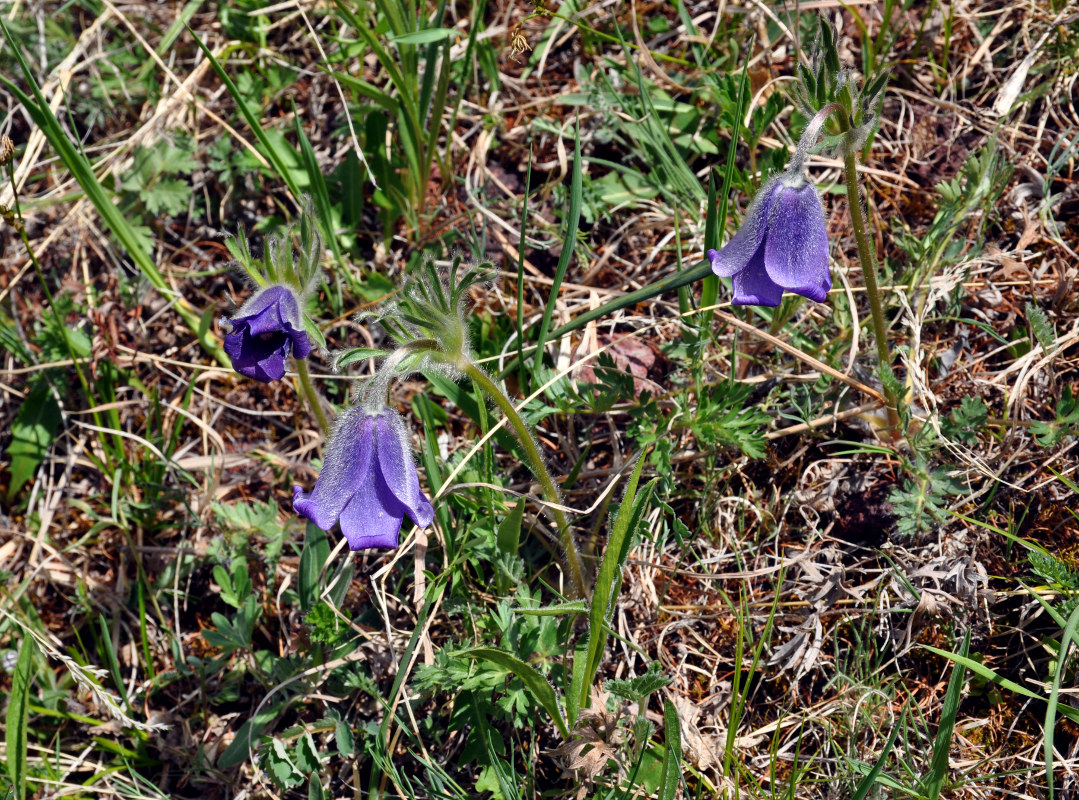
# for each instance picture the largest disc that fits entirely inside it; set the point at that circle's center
(781, 246)
(264, 332)
(368, 481)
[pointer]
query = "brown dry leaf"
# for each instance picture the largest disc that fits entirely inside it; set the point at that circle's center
(586, 756)
(698, 748)
(628, 354)
(597, 740)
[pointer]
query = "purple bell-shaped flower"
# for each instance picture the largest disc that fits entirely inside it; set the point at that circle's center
(264, 332)
(368, 481)
(781, 246)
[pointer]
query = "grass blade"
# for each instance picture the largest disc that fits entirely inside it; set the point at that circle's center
(710, 286)
(1054, 696)
(573, 221)
(980, 669)
(942, 744)
(41, 114)
(609, 577)
(18, 718)
(269, 149)
(866, 783)
(673, 281)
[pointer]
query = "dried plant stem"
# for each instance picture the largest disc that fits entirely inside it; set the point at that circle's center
(309, 393)
(869, 270)
(574, 564)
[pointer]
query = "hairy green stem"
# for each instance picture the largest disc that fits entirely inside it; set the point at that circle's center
(869, 271)
(312, 397)
(574, 565)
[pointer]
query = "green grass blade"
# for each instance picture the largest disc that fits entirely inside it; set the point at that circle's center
(269, 149)
(434, 119)
(435, 590)
(18, 718)
(609, 577)
(942, 744)
(1054, 696)
(980, 669)
(867, 782)
(710, 287)
(537, 684)
(521, 276)
(42, 116)
(319, 193)
(578, 686)
(569, 239)
(368, 90)
(557, 610)
(316, 549)
(507, 782)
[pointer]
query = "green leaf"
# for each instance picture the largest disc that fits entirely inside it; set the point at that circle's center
(32, 434)
(343, 734)
(537, 684)
(556, 610)
(427, 36)
(672, 759)
(281, 768)
(509, 530)
(18, 718)
(240, 747)
(316, 549)
(638, 688)
(348, 357)
(1042, 328)
(169, 196)
(307, 755)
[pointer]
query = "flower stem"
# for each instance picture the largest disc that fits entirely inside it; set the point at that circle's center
(574, 564)
(869, 271)
(313, 400)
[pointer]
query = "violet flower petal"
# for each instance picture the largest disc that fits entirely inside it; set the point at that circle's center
(753, 287)
(346, 469)
(373, 517)
(399, 470)
(796, 247)
(736, 254)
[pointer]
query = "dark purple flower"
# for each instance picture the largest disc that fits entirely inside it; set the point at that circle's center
(781, 246)
(368, 481)
(264, 332)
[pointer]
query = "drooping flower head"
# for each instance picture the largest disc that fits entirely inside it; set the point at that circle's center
(266, 330)
(781, 246)
(368, 481)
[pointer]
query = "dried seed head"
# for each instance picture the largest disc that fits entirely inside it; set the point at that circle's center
(7, 150)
